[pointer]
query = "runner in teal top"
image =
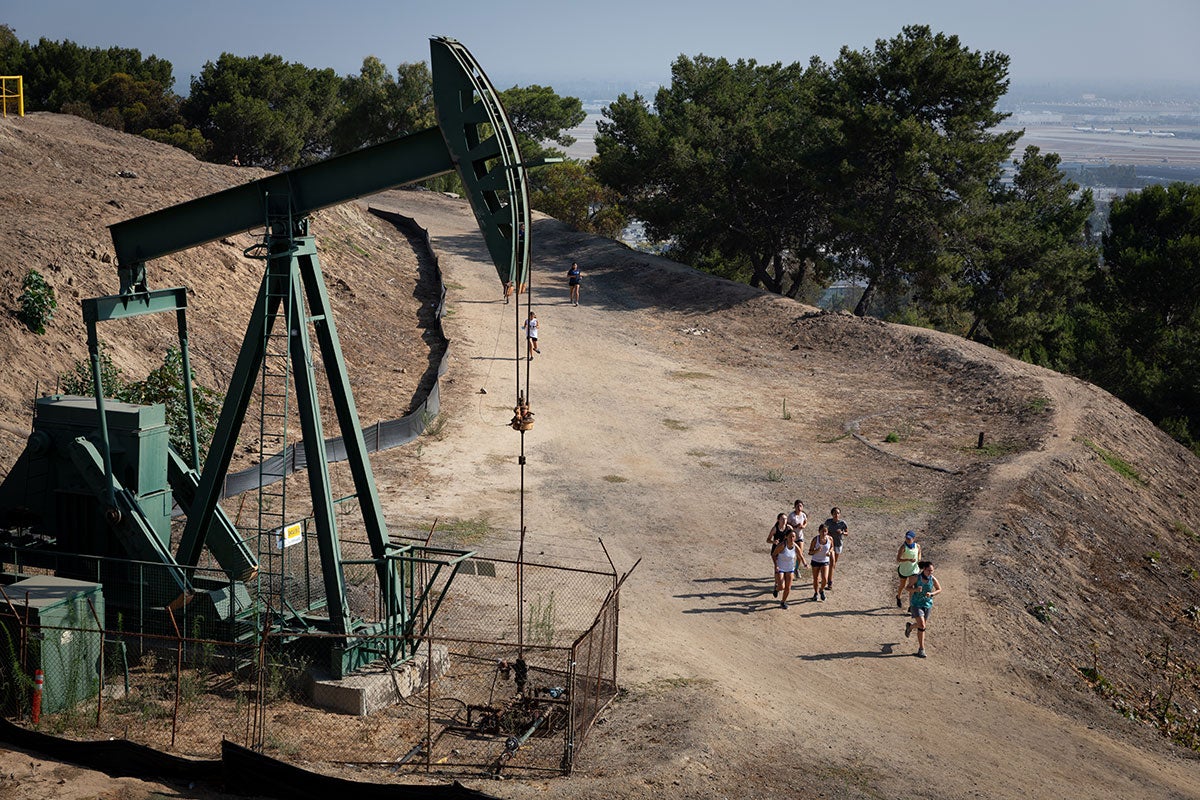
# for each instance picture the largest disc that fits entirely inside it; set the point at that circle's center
(921, 589)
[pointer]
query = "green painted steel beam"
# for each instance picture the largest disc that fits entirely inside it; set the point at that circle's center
(338, 380)
(222, 539)
(123, 306)
(128, 524)
(404, 160)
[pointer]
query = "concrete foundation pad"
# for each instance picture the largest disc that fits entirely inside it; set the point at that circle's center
(377, 686)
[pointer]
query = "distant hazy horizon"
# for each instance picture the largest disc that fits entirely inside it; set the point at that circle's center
(622, 46)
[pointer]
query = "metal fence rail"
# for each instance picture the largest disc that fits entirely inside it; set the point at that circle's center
(499, 702)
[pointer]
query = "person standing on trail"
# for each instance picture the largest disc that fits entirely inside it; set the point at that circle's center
(819, 552)
(837, 532)
(922, 587)
(907, 558)
(531, 335)
(574, 277)
(786, 556)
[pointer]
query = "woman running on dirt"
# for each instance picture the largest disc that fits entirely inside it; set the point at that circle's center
(906, 563)
(837, 531)
(775, 537)
(819, 554)
(786, 556)
(922, 586)
(531, 335)
(574, 276)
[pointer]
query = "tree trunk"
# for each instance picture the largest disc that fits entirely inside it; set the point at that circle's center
(801, 276)
(974, 328)
(760, 275)
(864, 302)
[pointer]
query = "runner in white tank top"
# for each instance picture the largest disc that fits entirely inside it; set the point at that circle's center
(786, 554)
(819, 551)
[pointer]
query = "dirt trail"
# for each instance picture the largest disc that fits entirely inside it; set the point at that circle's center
(659, 430)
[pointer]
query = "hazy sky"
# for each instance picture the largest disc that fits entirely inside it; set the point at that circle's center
(535, 41)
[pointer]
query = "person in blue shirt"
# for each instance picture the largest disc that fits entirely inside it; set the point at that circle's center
(921, 589)
(574, 277)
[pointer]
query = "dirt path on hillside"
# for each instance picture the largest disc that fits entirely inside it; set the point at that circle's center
(662, 429)
(659, 429)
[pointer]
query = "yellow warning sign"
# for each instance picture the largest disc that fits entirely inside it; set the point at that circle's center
(290, 535)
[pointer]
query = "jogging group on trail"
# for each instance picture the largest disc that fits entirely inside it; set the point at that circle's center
(788, 551)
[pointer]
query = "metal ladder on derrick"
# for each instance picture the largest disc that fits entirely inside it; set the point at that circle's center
(274, 405)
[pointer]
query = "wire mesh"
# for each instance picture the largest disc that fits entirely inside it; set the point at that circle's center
(492, 688)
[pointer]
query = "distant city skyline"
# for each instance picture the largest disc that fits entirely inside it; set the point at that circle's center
(628, 45)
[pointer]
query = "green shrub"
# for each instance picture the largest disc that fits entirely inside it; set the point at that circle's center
(37, 302)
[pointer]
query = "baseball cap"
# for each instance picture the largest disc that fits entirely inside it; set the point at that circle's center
(910, 535)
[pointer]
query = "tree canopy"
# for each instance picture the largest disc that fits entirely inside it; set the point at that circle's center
(263, 111)
(114, 86)
(726, 168)
(1022, 259)
(1139, 335)
(861, 166)
(571, 194)
(917, 114)
(377, 106)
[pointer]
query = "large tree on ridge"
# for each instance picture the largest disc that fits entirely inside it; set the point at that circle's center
(918, 114)
(729, 167)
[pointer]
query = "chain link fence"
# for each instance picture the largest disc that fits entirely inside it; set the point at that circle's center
(511, 672)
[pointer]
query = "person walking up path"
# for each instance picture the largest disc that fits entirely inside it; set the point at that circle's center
(786, 556)
(837, 531)
(531, 335)
(574, 277)
(906, 563)
(922, 587)
(819, 552)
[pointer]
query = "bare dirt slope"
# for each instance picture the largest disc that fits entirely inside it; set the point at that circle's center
(661, 430)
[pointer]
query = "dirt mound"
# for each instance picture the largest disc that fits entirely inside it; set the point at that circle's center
(677, 414)
(66, 180)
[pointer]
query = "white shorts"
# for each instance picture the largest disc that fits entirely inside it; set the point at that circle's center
(839, 550)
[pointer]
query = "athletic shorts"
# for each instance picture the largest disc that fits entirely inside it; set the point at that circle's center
(838, 549)
(917, 613)
(818, 564)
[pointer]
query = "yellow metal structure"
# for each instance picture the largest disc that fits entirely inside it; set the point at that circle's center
(6, 94)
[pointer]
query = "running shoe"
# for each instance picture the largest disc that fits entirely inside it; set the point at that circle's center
(898, 603)
(783, 605)
(815, 597)
(921, 653)
(907, 629)
(775, 592)
(822, 595)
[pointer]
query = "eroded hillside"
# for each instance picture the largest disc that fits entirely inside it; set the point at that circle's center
(1068, 541)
